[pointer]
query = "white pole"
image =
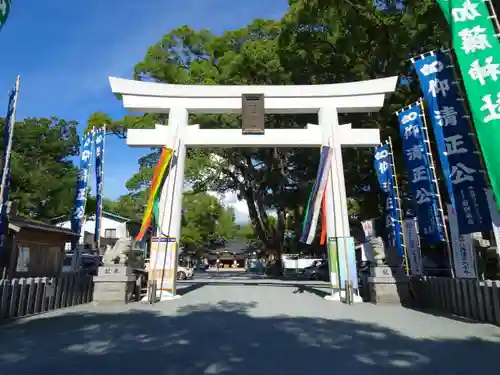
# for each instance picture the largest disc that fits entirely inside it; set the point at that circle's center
(436, 182)
(399, 208)
(494, 15)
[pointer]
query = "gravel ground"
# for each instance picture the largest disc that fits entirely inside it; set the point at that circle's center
(247, 327)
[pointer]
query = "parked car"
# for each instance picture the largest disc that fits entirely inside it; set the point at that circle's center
(309, 270)
(184, 273)
(323, 271)
(201, 267)
(87, 263)
(318, 271)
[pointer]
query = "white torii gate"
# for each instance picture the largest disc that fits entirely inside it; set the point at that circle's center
(180, 100)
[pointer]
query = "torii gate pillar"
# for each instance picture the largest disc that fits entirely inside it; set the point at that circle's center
(340, 244)
(325, 100)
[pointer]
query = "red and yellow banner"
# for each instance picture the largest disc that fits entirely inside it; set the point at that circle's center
(322, 239)
(154, 191)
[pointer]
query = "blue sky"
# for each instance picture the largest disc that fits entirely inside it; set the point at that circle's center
(65, 50)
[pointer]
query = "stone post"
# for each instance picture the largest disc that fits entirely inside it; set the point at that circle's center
(388, 282)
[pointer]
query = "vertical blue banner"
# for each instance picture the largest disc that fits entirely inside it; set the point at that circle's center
(457, 149)
(99, 181)
(10, 120)
(82, 183)
(384, 167)
(417, 160)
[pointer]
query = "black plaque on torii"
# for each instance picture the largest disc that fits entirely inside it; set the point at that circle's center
(253, 113)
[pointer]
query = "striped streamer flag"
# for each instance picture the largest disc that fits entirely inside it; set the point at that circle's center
(322, 239)
(315, 199)
(154, 192)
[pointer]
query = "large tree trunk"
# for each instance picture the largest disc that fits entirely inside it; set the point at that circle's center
(271, 237)
(279, 240)
(256, 217)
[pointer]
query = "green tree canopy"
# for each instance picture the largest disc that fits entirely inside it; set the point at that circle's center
(247, 233)
(204, 218)
(43, 175)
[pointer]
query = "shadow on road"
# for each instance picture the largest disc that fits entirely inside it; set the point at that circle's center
(310, 289)
(214, 275)
(446, 315)
(317, 288)
(185, 289)
(225, 338)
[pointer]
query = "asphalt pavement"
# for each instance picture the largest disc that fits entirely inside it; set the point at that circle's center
(239, 324)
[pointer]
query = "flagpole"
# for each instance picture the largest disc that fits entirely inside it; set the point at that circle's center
(400, 211)
(472, 133)
(176, 147)
(438, 193)
(159, 224)
(339, 280)
(348, 280)
(330, 261)
(497, 24)
(493, 16)
(8, 152)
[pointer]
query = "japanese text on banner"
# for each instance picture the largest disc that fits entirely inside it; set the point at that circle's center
(413, 246)
(457, 150)
(478, 53)
(82, 183)
(99, 178)
(163, 262)
(464, 256)
(383, 166)
(417, 161)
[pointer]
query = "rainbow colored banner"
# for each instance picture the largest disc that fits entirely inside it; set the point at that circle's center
(154, 191)
(316, 198)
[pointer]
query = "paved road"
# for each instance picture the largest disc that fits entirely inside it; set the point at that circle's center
(229, 275)
(240, 327)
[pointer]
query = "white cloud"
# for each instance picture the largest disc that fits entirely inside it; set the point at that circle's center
(230, 199)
